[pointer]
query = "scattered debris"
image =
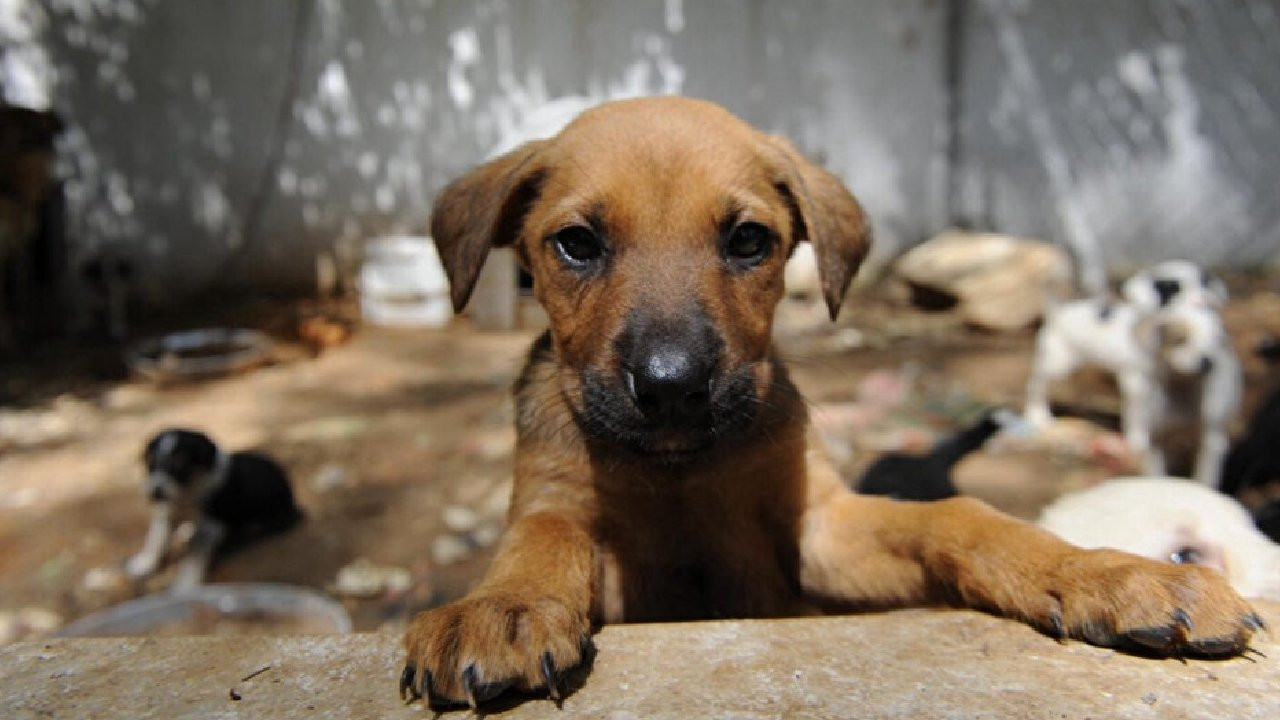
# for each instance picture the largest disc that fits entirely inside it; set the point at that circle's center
(321, 333)
(27, 622)
(63, 420)
(460, 519)
(330, 476)
(448, 549)
(327, 429)
(363, 579)
(105, 580)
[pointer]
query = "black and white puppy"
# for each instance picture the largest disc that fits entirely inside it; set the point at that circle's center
(232, 497)
(1173, 363)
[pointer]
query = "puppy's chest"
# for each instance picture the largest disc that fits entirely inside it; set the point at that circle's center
(690, 566)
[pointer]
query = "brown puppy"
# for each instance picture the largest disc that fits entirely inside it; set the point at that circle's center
(664, 468)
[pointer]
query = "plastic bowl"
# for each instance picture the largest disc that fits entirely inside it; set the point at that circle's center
(221, 609)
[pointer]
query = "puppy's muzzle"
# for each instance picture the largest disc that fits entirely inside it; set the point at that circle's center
(671, 386)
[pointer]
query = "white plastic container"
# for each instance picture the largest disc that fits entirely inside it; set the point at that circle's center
(402, 283)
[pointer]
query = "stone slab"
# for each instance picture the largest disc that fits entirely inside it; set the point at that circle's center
(908, 664)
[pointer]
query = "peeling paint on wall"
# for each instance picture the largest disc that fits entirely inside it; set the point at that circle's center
(204, 143)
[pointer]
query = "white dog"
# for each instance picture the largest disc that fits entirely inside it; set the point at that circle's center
(1173, 520)
(1172, 363)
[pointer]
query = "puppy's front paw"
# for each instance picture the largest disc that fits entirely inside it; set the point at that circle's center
(140, 566)
(1115, 599)
(472, 650)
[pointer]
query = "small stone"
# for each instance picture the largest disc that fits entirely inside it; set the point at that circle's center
(449, 549)
(362, 578)
(498, 501)
(487, 534)
(460, 519)
(329, 477)
(104, 580)
(26, 622)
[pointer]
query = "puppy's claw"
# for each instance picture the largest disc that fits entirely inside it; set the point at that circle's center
(549, 676)
(478, 692)
(1055, 625)
(469, 685)
(1158, 639)
(1218, 647)
(1182, 626)
(408, 692)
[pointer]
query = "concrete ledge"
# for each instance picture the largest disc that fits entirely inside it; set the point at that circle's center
(910, 664)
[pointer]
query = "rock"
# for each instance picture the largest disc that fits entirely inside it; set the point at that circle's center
(487, 534)
(129, 398)
(460, 519)
(363, 579)
(327, 429)
(999, 282)
(916, 663)
(104, 580)
(27, 622)
(449, 549)
(330, 476)
(498, 500)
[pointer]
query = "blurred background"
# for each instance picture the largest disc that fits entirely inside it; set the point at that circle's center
(166, 168)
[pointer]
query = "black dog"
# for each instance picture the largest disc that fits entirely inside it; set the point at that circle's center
(905, 476)
(234, 498)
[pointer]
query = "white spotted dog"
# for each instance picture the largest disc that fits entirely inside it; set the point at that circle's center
(1173, 364)
(233, 497)
(1172, 520)
(1173, 283)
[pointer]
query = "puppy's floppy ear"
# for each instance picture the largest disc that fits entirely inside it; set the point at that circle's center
(480, 210)
(826, 215)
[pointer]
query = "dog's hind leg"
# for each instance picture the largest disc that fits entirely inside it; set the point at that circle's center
(1142, 401)
(1213, 448)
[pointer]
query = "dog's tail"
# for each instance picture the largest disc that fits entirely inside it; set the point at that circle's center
(953, 449)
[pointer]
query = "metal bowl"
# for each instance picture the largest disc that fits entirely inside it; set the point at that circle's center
(219, 609)
(194, 354)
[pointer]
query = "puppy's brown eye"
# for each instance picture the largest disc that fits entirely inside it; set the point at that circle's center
(578, 246)
(748, 244)
(1185, 556)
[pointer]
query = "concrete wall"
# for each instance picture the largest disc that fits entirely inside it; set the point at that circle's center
(226, 143)
(1130, 131)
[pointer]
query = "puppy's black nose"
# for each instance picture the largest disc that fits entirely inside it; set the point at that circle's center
(670, 385)
(1166, 288)
(1206, 365)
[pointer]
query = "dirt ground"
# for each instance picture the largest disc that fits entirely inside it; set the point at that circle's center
(399, 441)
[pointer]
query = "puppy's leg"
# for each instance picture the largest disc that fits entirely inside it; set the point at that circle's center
(529, 619)
(209, 533)
(1053, 361)
(874, 551)
(1213, 448)
(1142, 401)
(146, 560)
